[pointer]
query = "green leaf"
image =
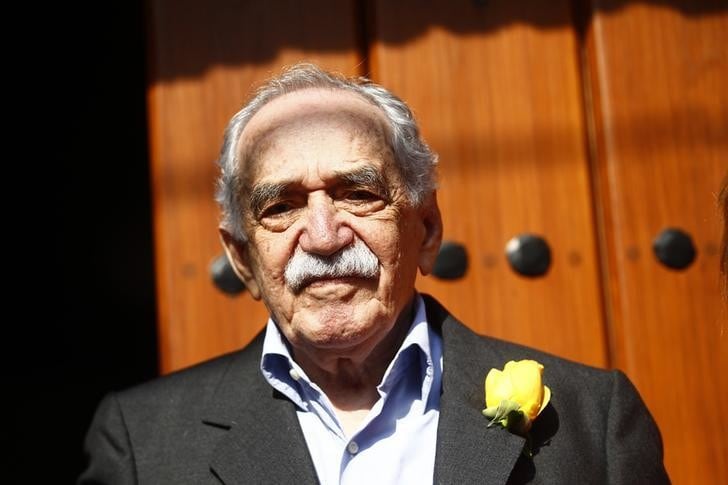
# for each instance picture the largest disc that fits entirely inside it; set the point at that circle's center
(502, 412)
(490, 412)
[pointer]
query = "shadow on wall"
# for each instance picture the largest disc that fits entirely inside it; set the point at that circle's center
(92, 326)
(199, 35)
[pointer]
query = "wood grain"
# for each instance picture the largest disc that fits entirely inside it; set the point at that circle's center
(659, 78)
(498, 95)
(204, 59)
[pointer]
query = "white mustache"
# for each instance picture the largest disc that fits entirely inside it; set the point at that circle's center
(355, 260)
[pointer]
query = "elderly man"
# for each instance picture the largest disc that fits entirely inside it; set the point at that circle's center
(329, 209)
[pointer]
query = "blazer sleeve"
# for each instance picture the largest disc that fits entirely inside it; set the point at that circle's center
(107, 447)
(634, 444)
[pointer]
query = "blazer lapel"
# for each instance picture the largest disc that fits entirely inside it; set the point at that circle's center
(264, 442)
(467, 450)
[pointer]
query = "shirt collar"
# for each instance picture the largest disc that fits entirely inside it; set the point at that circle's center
(417, 338)
(421, 345)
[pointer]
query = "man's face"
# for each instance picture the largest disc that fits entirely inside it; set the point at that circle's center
(321, 178)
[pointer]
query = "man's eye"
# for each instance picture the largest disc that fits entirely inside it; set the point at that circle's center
(361, 195)
(276, 209)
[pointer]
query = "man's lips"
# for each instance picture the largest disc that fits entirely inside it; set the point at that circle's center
(314, 282)
(327, 280)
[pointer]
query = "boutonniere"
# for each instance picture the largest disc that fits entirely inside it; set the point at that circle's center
(515, 396)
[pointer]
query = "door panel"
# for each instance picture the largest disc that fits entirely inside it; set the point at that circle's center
(659, 78)
(499, 98)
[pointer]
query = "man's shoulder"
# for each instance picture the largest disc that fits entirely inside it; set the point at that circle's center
(470, 351)
(595, 417)
(510, 350)
(559, 372)
(582, 396)
(196, 383)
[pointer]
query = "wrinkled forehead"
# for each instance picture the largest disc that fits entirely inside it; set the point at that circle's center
(309, 109)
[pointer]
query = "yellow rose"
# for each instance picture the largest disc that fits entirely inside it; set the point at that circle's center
(517, 388)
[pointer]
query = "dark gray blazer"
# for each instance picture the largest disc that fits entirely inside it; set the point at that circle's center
(220, 422)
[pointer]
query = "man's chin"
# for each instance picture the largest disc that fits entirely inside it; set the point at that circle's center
(330, 333)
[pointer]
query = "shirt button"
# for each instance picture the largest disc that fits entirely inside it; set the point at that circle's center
(294, 374)
(352, 447)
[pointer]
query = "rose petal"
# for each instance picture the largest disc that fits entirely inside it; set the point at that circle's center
(546, 398)
(497, 388)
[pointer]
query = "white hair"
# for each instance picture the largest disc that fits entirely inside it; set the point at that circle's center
(415, 160)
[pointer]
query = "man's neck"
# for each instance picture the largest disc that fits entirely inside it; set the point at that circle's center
(351, 385)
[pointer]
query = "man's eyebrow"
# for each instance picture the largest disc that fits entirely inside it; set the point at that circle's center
(263, 193)
(368, 177)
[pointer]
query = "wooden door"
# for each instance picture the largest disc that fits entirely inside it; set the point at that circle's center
(659, 77)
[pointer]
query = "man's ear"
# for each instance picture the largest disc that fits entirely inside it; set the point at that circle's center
(237, 254)
(431, 218)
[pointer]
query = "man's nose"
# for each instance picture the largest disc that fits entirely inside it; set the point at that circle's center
(324, 233)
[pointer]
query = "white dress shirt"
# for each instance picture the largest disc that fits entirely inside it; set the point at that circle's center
(395, 444)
